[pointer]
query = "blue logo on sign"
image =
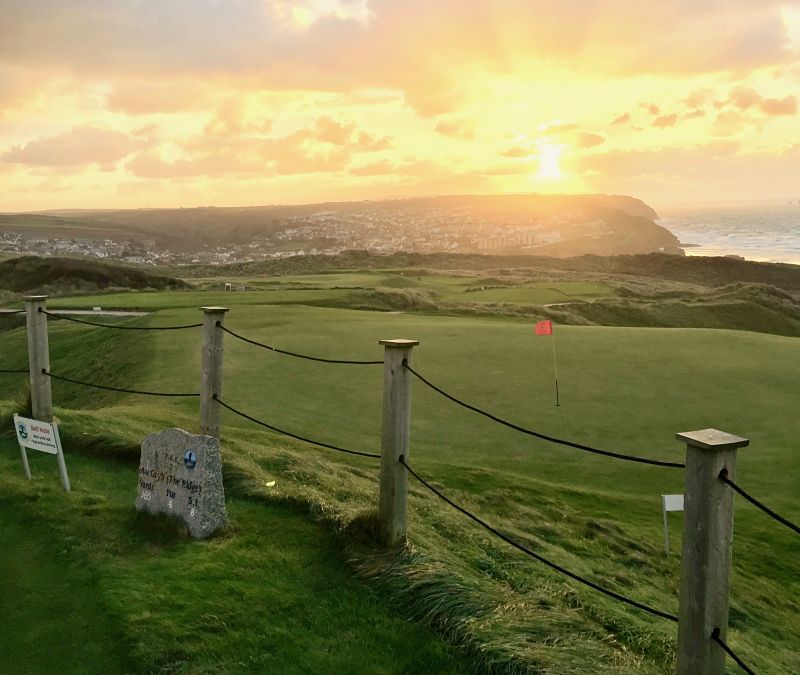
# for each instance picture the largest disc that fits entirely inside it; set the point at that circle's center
(23, 431)
(189, 459)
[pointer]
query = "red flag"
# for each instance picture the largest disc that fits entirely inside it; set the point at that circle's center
(544, 327)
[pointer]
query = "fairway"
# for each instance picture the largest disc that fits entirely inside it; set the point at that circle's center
(623, 389)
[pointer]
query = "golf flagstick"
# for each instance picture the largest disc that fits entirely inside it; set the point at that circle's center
(555, 364)
(546, 328)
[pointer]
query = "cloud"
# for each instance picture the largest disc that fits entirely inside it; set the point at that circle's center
(373, 97)
(744, 98)
(11, 83)
(455, 128)
(693, 114)
(709, 172)
(621, 119)
(321, 161)
(368, 143)
(558, 128)
(665, 121)
(730, 123)
(80, 146)
(792, 151)
(652, 108)
(565, 134)
(516, 151)
(584, 140)
(148, 98)
(697, 98)
(779, 106)
(665, 161)
(375, 169)
(284, 156)
(386, 45)
(327, 145)
(328, 130)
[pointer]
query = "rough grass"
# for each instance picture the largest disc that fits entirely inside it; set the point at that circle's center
(108, 590)
(623, 389)
(705, 271)
(54, 275)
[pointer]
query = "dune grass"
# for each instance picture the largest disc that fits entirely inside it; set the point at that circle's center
(628, 390)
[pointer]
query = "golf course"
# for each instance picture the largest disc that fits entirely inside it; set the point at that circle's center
(296, 583)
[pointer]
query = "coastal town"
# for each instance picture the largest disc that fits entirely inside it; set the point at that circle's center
(323, 232)
(220, 236)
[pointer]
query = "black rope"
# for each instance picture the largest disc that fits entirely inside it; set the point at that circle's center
(106, 325)
(723, 476)
(536, 556)
(290, 434)
(295, 354)
(14, 371)
(716, 638)
(102, 386)
(13, 311)
(544, 437)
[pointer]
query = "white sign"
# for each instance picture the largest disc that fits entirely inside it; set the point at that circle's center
(41, 436)
(672, 502)
(36, 435)
(669, 503)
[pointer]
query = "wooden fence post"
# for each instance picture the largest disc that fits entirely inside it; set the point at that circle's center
(394, 441)
(39, 358)
(707, 541)
(211, 371)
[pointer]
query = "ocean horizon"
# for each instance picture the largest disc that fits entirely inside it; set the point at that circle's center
(768, 232)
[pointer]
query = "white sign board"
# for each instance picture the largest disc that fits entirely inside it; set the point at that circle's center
(672, 502)
(41, 436)
(669, 503)
(36, 435)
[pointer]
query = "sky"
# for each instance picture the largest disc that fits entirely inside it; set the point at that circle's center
(169, 103)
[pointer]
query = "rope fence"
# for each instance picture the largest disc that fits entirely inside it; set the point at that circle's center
(715, 636)
(290, 434)
(723, 476)
(536, 556)
(116, 327)
(394, 470)
(536, 434)
(117, 389)
(295, 354)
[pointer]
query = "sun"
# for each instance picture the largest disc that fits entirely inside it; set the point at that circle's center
(549, 158)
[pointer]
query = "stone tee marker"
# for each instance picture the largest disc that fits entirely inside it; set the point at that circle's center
(180, 474)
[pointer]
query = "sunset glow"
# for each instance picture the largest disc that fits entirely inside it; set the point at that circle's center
(111, 103)
(549, 157)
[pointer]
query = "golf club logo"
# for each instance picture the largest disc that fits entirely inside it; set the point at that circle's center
(189, 459)
(23, 431)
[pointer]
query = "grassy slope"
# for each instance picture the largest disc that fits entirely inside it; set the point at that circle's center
(70, 276)
(46, 598)
(596, 516)
(110, 592)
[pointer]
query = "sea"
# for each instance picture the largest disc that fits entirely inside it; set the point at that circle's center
(768, 232)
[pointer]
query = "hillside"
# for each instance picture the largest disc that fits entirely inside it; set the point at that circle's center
(558, 225)
(59, 276)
